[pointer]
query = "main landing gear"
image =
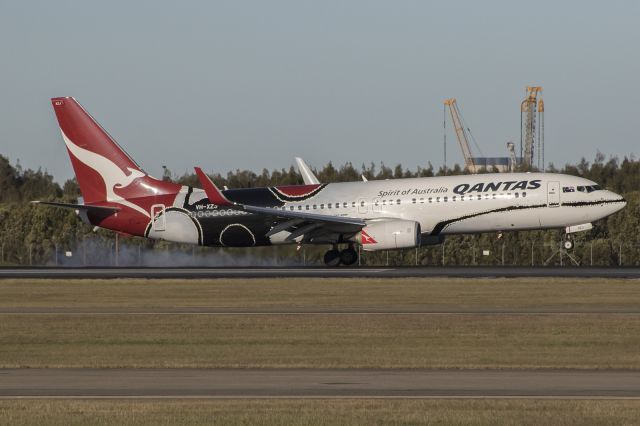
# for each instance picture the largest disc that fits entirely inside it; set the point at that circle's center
(335, 257)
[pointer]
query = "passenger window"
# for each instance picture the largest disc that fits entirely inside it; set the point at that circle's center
(446, 199)
(517, 195)
(581, 189)
(494, 196)
(344, 205)
(328, 205)
(453, 198)
(413, 200)
(337, 205)
(362, 203)
(479, 196)
(524, 194)
(307, 207)
(431, 199)
(437, 199)
(322, 206)
(299, 207)
(291, 208)
(397, 201)
(315, 206)
(353, 204)
(462, 198)
(421, 200)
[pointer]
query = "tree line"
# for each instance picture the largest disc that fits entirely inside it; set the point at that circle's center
(37, 235)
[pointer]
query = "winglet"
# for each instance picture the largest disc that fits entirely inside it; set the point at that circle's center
(307, 175)
(213, 193)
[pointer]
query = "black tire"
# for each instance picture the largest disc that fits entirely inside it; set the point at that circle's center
(568, 244)
(348, 256)
(332, 258)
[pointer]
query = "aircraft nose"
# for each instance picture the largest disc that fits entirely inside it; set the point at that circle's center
(617, 199)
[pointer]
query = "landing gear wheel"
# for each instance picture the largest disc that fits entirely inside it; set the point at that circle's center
(568, 244)
(332, 258)
(348, 256)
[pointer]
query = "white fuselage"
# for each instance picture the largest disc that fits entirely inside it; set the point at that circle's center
(468, 203)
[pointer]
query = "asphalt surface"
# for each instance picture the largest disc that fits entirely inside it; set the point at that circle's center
(308, 272)
(317, 311)
(301, 383)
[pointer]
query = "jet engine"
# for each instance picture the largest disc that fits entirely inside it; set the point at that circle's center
(389, 234)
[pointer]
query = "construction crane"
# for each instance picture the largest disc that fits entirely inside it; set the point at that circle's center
(461, 133)
(513, 162)
(532, 128)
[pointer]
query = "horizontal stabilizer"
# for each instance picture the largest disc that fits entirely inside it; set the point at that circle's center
(97, 209)
(213, 193)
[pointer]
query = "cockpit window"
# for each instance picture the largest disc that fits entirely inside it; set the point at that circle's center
(589, 188)
(568, 189)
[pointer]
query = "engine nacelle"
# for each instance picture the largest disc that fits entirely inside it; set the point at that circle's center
(389, 234)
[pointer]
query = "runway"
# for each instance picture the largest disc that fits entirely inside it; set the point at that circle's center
(313, 311)
(316, 383)
(315, 272)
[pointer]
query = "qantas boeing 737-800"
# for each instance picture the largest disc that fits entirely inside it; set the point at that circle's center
(378, 215)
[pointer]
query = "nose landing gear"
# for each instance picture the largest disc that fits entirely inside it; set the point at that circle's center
(335, 257)
(563, 250)
(568, 243)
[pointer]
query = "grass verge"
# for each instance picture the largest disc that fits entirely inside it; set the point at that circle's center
(315, 341)
(319, 412)
(338, 293)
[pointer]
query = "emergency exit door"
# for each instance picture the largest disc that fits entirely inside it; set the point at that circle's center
(158, 218)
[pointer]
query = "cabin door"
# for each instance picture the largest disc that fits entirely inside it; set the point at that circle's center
(553, 194)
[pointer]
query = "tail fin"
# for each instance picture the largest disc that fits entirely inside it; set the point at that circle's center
(98, 161)
(105, 173)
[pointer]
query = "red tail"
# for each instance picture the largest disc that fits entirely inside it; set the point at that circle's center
(105, 173)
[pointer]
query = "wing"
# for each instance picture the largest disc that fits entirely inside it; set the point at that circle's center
(298, 223)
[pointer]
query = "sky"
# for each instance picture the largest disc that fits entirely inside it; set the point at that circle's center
(240, 84)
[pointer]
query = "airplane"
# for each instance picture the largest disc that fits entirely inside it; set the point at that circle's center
(117, 194)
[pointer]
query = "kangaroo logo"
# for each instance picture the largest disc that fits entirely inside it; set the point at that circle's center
(111, 174)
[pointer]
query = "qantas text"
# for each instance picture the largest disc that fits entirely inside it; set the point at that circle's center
(511, 185)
